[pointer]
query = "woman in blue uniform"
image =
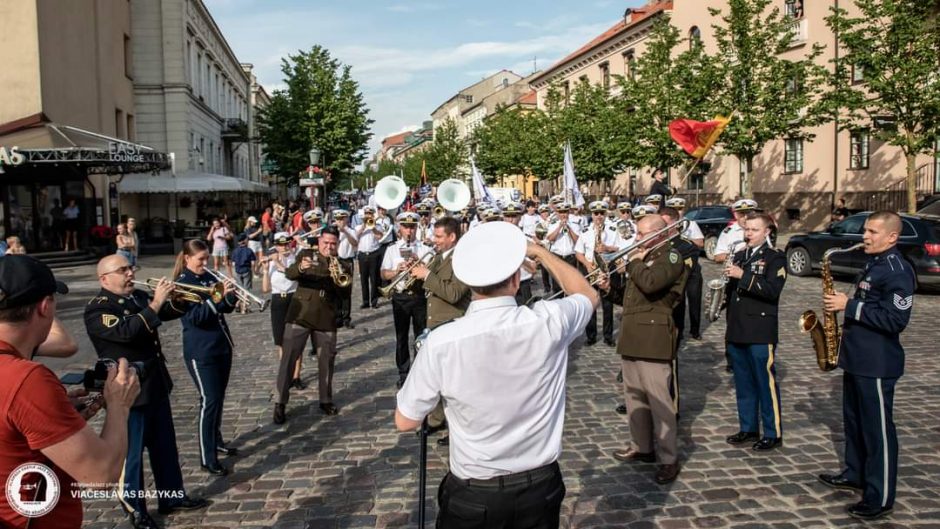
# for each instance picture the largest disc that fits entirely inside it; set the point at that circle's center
(207, 349)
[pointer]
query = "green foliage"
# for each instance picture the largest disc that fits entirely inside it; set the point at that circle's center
(447, 156)
(321, 106)
(772, 97)
(896, 44)
(600, 135)
(516, 141)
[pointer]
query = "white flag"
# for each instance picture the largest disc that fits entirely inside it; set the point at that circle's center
(572, 193)
(480, 192)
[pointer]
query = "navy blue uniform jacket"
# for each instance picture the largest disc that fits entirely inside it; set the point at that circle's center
(205, 333)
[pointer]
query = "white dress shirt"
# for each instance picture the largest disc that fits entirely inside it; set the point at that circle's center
(367, 239)
(729, 238)
(279, 282)
(693, 232)
(528, 223)
(393, 254)
(348, 243)
(564, 244)
(610, 237)
(500, 370)
(384, 224)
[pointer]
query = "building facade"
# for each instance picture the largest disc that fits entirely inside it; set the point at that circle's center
(795, 180)
(467, 108)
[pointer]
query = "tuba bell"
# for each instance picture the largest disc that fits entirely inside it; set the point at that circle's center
(453, 195)
(390, 192)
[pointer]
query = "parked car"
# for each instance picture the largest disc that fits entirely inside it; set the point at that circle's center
(713, 220)
(919, 243)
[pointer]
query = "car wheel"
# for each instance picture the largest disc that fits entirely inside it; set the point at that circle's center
(798, 261)
(710, 243)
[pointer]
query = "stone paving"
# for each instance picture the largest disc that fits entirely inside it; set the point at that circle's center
(356, 471)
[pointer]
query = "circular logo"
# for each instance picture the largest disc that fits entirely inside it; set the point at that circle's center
(32, 490)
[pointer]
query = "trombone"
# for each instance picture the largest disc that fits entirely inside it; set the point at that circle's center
(243, 294)
(185, 292)
(404, 279)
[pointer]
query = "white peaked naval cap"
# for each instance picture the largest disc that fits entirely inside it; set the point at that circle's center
(489, 254)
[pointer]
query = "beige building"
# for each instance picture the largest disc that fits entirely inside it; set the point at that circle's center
(794, 180)
(68, 107)
(194, 100)
(467, 107)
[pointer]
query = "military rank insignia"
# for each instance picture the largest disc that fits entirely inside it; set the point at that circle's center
(109, 320)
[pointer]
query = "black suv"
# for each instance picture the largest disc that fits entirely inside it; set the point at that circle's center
(919, 243)
(712, 220)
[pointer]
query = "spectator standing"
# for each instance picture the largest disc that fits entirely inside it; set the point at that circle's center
(219, 236)
(244, 260)
(71, 214)
(125, 244)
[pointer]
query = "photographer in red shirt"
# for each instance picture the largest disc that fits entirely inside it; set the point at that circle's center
(41, 424)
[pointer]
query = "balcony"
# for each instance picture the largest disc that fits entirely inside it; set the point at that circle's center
(234, 130)
(799, 29)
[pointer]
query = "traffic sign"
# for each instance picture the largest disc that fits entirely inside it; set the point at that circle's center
(307, 182)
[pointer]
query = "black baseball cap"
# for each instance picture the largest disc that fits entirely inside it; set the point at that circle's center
(25, 280)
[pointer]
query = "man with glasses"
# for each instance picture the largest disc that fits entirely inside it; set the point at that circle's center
(122, 322)
(585, 251)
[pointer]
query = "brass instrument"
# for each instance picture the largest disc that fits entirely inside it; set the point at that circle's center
(369, 222)
(715, 288)
(188, 293)
(625, 229)
(599, 262)
(404, 279)
(541, 230)
(340, 278)
(826, 336)
(439, 211)
(243, 294)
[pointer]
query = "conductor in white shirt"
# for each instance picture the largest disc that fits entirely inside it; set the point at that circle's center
(500, 370)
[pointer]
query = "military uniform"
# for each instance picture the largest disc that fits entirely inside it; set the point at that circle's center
(693, 291)
(653, 287)
(312, 312)
(872, 360)
(207, 349)
(751, 336)
(126, 327)
(409, 308)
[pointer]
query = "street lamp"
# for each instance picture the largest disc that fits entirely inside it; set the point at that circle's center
(314, 155)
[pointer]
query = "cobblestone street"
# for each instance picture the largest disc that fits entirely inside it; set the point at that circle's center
(356, 471)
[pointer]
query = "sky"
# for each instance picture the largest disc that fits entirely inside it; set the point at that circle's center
(409, 56)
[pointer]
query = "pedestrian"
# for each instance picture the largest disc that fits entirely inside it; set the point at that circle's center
(219, 236)
(243, 259)
(14, 246)
(254, 232)
(132, 231)
(872, 361)
(125, 244)
(71, 219)
(501, 368)
(207, 349)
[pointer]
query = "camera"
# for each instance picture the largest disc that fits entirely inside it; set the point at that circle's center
(94, 379)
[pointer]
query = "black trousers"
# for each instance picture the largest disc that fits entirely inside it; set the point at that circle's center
(211, 376)
(871, 440)
(344, 314)
(693, 300)
(151, 426)
(525, 292)
(369, 277)
(608, 310)
(408, 311)
(570, 259)
(464, 504)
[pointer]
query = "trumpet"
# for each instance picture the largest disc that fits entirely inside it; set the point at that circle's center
(185, 292)
(340, 278)
(439, 211)
(369, 222)
(404, 279)
(243, 294)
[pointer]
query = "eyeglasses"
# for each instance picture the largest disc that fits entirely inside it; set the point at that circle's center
(599, 212)
(122, 270)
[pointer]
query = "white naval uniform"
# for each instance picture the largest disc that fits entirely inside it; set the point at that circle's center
(610, 237)
(500, 370)
(393, 256)
(384, 224)
(279, 282)
(528, 223)
(348, 244)
(693, 232)
(367, 239)
(564, 245)
(729, 238)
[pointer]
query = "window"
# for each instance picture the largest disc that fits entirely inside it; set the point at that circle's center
(852, 225)
(567, 92)
(794, 85)
(192, 152)
(633, 178)
(742, 177)
(629, 64)
(583, 79)
(202, 153)
(858, 149)
(793, 155)
(118, 123)
(197, 78)
(794, 8)
(695, 37)
(505, 83)
(211, 155)
(128, 53)
(131, 128)
(467, 98)
(605, 75)
(858, 74)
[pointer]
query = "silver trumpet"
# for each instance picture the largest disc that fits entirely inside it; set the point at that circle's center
(404, 279)
(243, 294)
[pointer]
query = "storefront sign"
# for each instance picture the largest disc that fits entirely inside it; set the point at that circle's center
(10, 156)
(125, 152)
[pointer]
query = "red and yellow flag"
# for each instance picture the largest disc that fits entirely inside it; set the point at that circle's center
(697, 137)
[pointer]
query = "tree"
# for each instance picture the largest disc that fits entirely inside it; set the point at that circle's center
(664, 85)
(321, 106)
(771, 97)
(447, 155)
(514, 142)
(894, 45)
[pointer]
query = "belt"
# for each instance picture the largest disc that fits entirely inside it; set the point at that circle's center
(282, 294)
(527, 477)
(370, 252)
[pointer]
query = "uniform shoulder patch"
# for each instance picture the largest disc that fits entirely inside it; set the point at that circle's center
(782, 272)
(673, 257)
(109, 320)
(903, 303)
(726, 230)
(98, 299)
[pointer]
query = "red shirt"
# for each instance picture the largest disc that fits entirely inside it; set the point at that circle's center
(35, 413)
(267, 221)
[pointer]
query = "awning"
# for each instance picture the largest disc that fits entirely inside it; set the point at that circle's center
(188, 183)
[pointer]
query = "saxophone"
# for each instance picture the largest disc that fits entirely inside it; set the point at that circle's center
(826, 335)
(715, 288)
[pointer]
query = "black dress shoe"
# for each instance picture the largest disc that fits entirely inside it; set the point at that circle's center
(444, 441)
(298, 383)
(743, 437)
(620, 377)
(838, 481)
(364, 306)
(375, 304)
(590, 341)
(216, 469)
(696, 336)
(768, 443)
(622, 409)
(610, 341)
(187, 504)
(313, 352)
(863, 511)
(279, 415)
(225, 450)
(630, 454)
(329, 409)
(667, 473)
(142, 520)
(349, 324)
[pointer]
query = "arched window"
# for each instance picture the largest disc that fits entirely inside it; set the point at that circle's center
(695, 37)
